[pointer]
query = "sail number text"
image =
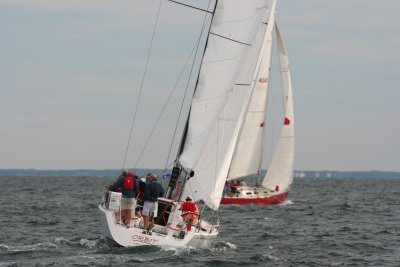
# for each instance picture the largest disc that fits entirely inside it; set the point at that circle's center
(263, 80)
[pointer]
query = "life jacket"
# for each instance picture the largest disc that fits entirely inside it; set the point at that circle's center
(128, 183)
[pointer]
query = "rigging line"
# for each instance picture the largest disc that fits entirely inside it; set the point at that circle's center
(202, 211)
(187, 84)
(165, 106)
(197, 8)
(141, 84)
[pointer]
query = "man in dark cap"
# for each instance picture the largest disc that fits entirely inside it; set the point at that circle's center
(152, 192)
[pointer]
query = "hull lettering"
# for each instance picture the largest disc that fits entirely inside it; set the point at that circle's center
(144, 239)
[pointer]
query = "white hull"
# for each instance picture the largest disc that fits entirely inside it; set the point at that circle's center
(168, 235)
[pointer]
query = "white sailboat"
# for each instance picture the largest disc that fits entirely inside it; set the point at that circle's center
(248, 152)
(231, 36)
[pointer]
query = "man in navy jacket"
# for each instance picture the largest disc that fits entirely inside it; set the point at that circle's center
(127, 184)
(152, 192)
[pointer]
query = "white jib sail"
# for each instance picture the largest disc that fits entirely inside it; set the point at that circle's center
(231, 36)
(280, 171)
(213, 164)
(248, 153)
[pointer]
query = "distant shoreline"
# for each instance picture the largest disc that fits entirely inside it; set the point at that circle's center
(116, 172)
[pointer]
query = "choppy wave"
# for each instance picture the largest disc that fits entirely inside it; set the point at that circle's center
(221, 245)
(88, 243)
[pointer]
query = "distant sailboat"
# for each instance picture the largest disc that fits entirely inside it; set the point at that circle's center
(248, 151)
(230, 38)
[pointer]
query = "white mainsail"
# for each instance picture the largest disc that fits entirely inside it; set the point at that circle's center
(232, 35)
(280, 171)
(248, 153)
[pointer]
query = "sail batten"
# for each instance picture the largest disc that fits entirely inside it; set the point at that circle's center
(190, 6)
(230, 39)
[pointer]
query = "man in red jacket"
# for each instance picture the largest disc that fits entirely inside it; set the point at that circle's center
(190, 213)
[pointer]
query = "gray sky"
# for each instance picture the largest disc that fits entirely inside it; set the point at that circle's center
(70, 73)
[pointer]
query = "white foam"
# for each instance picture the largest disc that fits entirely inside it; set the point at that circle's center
(5, 246)
(177, 250)
(287, 202)
(231, 245)
(62, 240)
(223, 246)
(34, 247)
(87, 243)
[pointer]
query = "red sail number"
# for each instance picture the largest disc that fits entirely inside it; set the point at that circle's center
(263, 80)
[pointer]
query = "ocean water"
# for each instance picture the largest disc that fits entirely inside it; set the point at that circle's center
(53, 221)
